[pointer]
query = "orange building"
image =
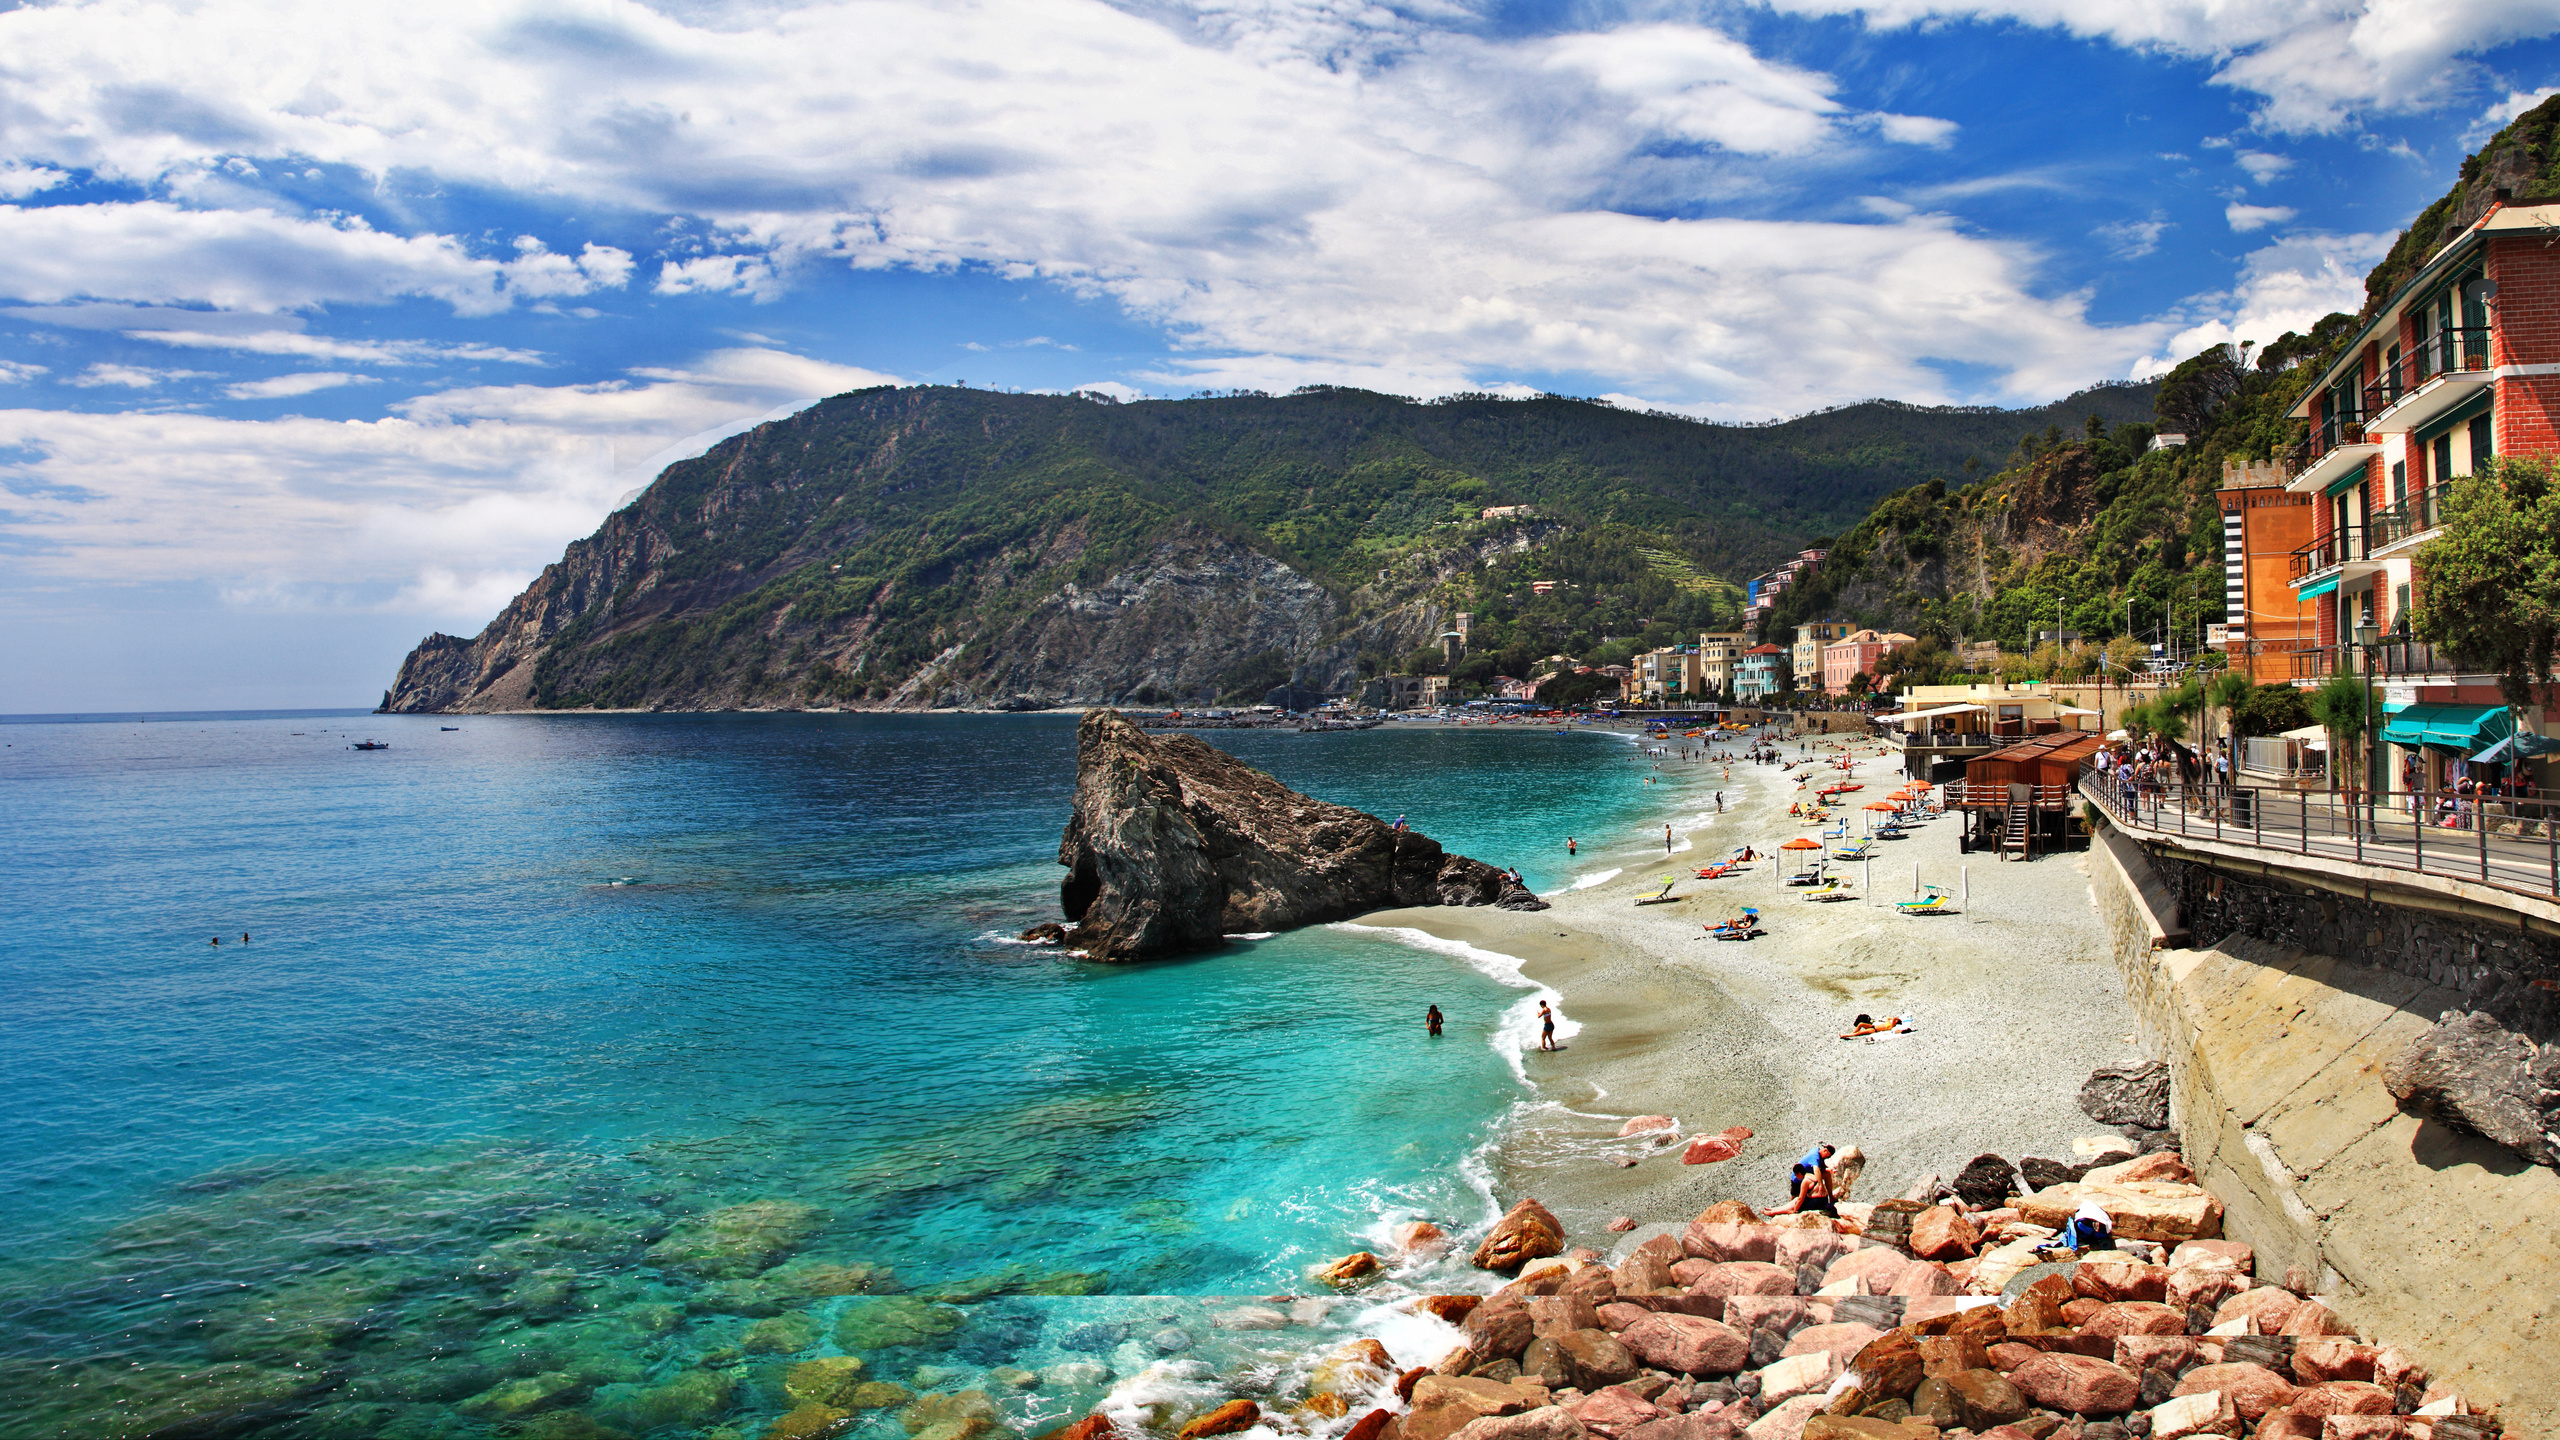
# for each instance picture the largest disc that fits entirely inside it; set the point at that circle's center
(2262, 526)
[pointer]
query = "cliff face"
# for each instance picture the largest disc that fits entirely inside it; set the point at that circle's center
(1175, 844)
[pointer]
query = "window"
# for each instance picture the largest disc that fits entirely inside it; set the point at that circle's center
(2399, 482)
(2483, 444)
(2442, 455)
(2400, 608)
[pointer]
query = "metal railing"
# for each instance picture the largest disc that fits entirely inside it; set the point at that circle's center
(2389, 658)
(2405, 519)
(2508, 842)
(1994, 795)
(2325, 436)
(2445, 351)
(2329, 552)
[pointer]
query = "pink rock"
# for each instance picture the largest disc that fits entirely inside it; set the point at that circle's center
(2340, 1397)
(1925, 1279)
(1797, 1248)
(1783, 1313)
(1645, 1125)
(2237, 1252)
(2373, 1427)
(1615, 1411)
(1650, 1267)
(2163, 1167)
(1618, 1315)
(1708, 1149)
(2313, 1318)
(1843, 1340)
(2199, 1413)
(1873, 1269)
(2134, 1317)
(1722, 1240)
(2121, 1280)
(1930, 1307)
(2321, 1359)
(2393, 1367)
(2254, 1389)
(1685, 1273)
(1421, 1238)
(2265, 1308)
(1622, 1224)
(2164, 1352)
(1687, 1344)
(1786, 1422)
(2204, 1280)
(1547, 1422)
(2077, 1384)
(1745, 1277)
(1939, 1233)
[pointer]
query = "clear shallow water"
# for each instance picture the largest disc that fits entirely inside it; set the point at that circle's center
(584, 1074)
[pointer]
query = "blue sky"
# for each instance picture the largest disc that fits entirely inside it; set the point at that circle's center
(326, 324)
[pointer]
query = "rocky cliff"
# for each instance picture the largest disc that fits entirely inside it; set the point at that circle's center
(1175, 844)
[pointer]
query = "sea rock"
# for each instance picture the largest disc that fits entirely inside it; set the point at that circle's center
(1939, 1233)
(1174, 844)
(808, 1422)
(2138, 1096)
(1687, 1344)
(929, 1411)
(1546, 1422)
(1254, 1317)
(1986, 1182)
(1651, 1266)
(888, 1395)
(1645, 1125)
(2474, 1074)
(1420, 1237)
(695, 1396)
(2077, 1384)
(829, 1380)
(1596, 1358)
(1357, 1268)
(877, 1322)
(2142, 1210)
(1528, 1232)
(1500, 1328)
(1711, 1149)
(738, 1240)
(781, 1335)
(1453, 1308)
(1553, 1315)
(1614, 1411)
(1359, 1367)
(1445, 1404)
(1227, 1419)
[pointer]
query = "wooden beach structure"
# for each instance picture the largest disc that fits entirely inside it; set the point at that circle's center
(2021, 797)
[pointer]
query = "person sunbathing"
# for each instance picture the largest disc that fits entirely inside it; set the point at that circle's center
(1866, 1026)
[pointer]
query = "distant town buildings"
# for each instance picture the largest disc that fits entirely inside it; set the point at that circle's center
(1856, 654)
(1805, 658)
(1762, 672)
(1507, 512)
(1405, 692)
(1761, 594)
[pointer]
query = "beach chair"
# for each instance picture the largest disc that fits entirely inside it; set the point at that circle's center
(1740, 927)
(1934, 903)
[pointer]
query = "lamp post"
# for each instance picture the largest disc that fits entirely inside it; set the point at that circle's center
(2368, 636)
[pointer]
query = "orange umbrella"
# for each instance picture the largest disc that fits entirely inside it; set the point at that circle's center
(1801, 843)
(1880, 805)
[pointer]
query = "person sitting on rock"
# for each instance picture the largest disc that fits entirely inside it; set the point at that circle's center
(1810, 1181)
(2092, 1228)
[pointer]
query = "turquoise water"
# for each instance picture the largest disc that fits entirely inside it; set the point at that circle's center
(583, 1074)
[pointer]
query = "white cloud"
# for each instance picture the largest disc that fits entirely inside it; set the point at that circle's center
(2247, 218)
(2133, 239)
(2263, 167)
(13, 372)
(1320, 188)
(456, 502)
(17, 181)
(259, 335)
(280, 387)
(135, 377)
(2289, 285)
(154, 252)
(2315, 64)
(2497, 117)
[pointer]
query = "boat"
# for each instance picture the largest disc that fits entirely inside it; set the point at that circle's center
(371, 745)
(448, 727)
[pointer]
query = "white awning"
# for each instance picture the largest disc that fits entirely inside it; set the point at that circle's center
(1900, 716)
(2071, 710)
(2307, 732)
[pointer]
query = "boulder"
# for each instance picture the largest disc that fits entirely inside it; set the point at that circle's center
(2165, 1352)
(1174, 844)
(1499, 1328)
(1809, 1373)
(1646, 1125)
(1546, 1422)
(2264, 1310)
(1945, 1355)
(2206, 1412)
(2318, 1359)
(1597, 1358)
(1784, 1314)
(2077, 1384)
(2313, 1318)
(1986, 1182)
(2339, 1397)
(2254, 1389)
(1445, 1404)
(1453, 1308)
(2235, 1251)
(1799, 1248)
(1871, 1271)
(1939, 1233)
(1842, 1340)
(1649, 1267)
(1787, 1421)
(1925, 1281)
(1745, 1277)
(2137, 1097)
(1619, 1316)
(2164, 1166)
(1987, 1398)
(2038, 1308)
(1420, 1237)
(1529, 1232)
(1552, 1315)
(1730, 1240)
(2134, 1317)
(1369, 1426)
(2474, 1074)
(1614, 1411)
(1356, 1368)
(1856, 1427)
(1713, 1149)
(1687, 1344)
(2008, 1355)
(1227, 1419)
(1727, 1212)
(1357, 1268)
(2205, 1280)
(2121, 1279)
(1890, 1365)
(2142, 1210)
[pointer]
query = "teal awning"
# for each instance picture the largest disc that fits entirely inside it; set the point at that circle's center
(2466, 728)
(2314, 592)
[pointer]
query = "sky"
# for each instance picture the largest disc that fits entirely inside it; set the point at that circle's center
(324, 325)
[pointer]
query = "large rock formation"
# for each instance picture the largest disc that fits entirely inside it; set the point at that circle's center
(1175, 844)
(2475, 1074)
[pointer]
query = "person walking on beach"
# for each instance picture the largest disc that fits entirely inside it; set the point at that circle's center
(1666, 839)
(1546, 1027)
(1432, 1020)
(1719, 802)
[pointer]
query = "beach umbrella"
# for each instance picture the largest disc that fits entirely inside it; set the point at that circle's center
(1801, 843)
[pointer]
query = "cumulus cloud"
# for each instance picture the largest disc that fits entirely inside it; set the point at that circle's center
(2262, 167)
(132, 377)
(2248, 218)
(156, 252)
(279, 387)
(456, 501)
(1311, 188)
(2289, 285)
(2314, 64)
(14, 372)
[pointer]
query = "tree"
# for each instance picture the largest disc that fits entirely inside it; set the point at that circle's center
(2270, 710)
(2197, 388)
(2339, 705)
(2489, 584)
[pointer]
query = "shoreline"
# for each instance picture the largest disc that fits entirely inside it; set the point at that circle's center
(2010, 1009)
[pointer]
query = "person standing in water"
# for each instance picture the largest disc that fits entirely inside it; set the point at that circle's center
(1666, 839)
(1569, 847)
(1433, 1020)
(1546, 1027)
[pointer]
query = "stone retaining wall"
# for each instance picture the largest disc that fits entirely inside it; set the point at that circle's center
(2430, 1238)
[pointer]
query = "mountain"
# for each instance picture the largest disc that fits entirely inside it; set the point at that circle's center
(933, 546)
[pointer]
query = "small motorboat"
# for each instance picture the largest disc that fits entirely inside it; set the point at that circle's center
(448, 727)
(371, 745)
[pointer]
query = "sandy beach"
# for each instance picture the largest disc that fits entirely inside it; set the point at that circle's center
(2010, 1005)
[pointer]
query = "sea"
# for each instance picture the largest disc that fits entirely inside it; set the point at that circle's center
(579, 1076)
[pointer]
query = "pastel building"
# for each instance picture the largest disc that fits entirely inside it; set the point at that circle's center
(1856, 654)
(1805, 658)
(1761, 673)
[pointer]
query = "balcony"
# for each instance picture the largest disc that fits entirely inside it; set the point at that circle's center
(2338, 554)
(2395, 659)
(2399, 523)
(2335, 447)
(2448, 369)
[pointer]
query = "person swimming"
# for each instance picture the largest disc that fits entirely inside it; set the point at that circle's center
(1432, 1020)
